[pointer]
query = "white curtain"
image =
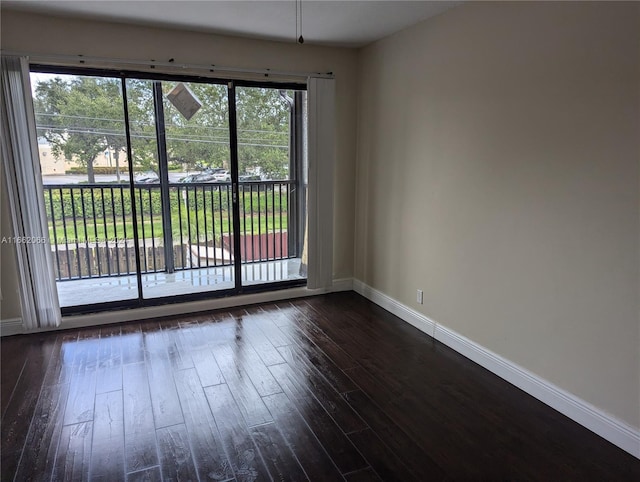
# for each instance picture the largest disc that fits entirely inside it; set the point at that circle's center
(321, 152)
(39, 298)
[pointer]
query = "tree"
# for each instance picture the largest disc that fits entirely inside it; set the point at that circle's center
(202, 141)
(144, 148)
(81, 117)
(263, 132)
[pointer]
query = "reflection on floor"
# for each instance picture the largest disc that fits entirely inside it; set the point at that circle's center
(158, 285)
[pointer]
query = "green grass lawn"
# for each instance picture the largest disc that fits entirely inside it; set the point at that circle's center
(196, 222)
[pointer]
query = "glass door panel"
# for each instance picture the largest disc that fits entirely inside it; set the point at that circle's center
(146, 178)
(194, 191)
(271, 183)
(83, 158)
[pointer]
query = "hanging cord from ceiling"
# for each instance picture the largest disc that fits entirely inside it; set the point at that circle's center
(300, 38)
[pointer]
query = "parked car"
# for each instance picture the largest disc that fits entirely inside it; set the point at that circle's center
(222, 176)
(249, 177)
(202, 177)
(209, 174)
(147, 178)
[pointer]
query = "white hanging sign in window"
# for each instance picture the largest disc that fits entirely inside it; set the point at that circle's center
(184, 100)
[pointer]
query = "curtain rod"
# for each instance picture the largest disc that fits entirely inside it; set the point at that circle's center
(152, 64)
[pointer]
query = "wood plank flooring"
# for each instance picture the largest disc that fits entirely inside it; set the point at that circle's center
(321, 389)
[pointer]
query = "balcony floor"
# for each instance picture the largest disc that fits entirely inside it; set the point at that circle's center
(160, 285)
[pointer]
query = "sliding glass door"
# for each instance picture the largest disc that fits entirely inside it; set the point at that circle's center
(184, 189)
(167, 189)
(271, 183)
(83, 158)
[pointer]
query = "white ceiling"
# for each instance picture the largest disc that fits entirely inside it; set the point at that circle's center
(340, 22)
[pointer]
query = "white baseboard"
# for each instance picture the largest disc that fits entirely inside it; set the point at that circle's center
(608, 427)
(342, 284)
(12, 326)
(412, 317)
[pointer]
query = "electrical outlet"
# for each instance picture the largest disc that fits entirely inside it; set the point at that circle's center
(419, 296)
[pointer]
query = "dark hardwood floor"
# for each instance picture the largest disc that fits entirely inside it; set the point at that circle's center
(324, 388)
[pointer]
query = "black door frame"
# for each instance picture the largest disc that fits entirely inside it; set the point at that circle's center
(231, 84)
(163, 168)
(233, 144)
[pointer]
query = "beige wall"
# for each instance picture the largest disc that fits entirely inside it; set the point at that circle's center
(9, 289)
(41, 34)
(498, 155)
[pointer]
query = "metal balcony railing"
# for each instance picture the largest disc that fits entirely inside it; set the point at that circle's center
(91, 226)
